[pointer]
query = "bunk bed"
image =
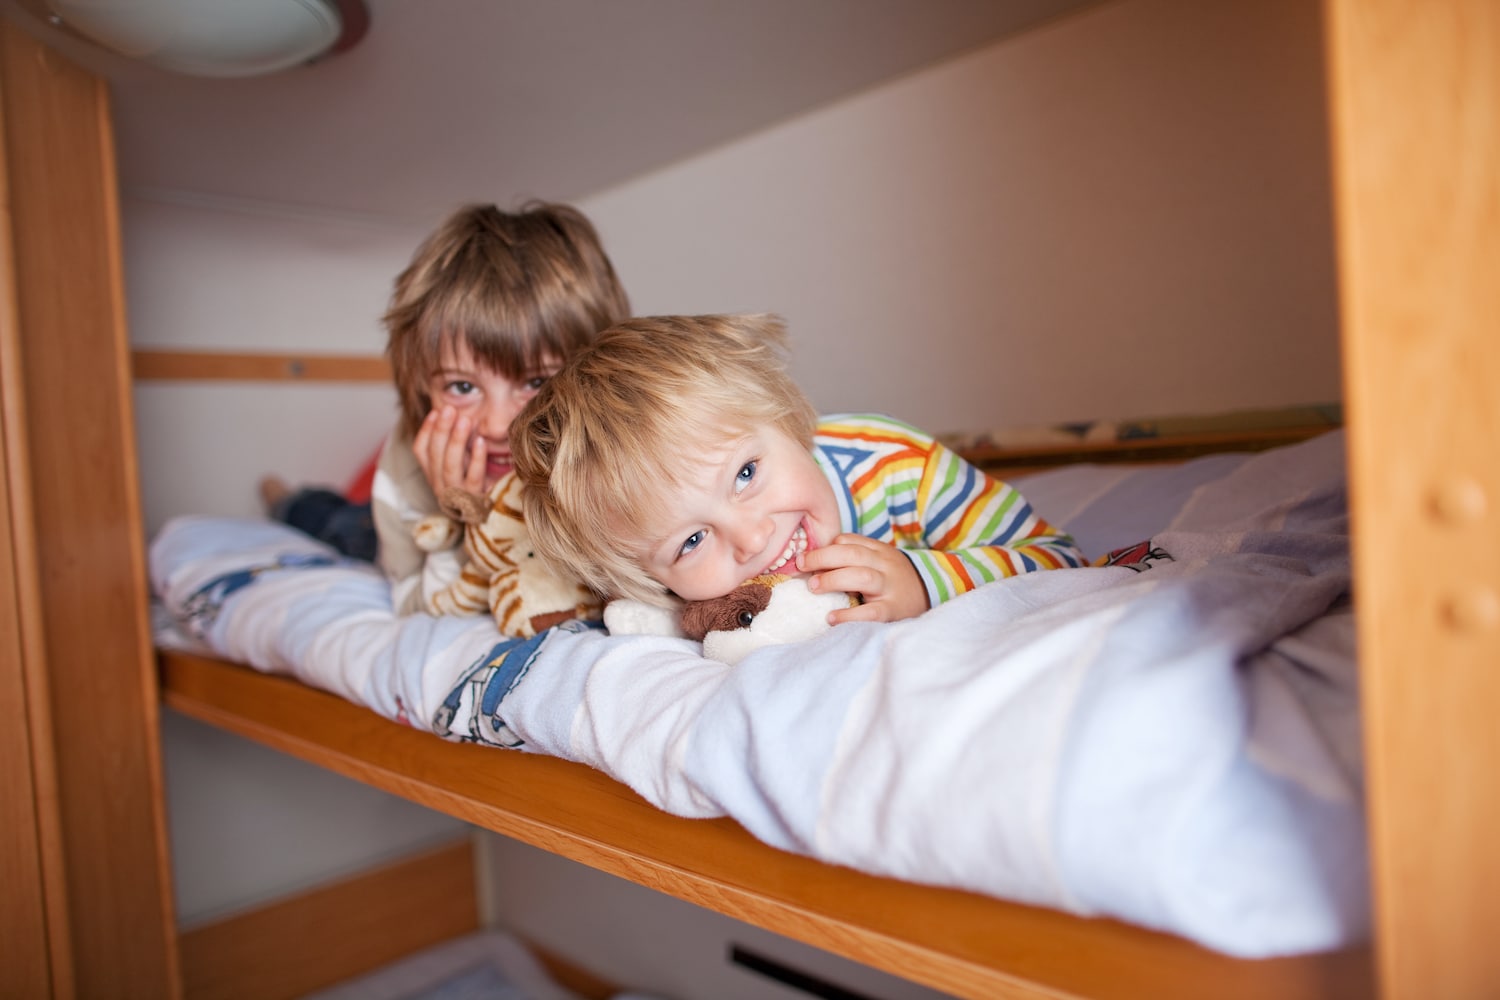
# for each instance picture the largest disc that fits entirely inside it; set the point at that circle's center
(1416, 137)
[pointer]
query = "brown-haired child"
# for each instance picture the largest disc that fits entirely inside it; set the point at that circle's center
(491, 305)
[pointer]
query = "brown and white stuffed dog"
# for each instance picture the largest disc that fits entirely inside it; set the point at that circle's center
(501, 573)
(764, 611)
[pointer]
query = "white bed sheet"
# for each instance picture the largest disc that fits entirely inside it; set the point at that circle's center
(1177, 748)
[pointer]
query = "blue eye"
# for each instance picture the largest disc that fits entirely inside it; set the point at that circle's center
(461, 387)
(694, 540)
(746, 473)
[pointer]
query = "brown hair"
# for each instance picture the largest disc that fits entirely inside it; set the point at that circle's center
(601, 445)
(515, 287)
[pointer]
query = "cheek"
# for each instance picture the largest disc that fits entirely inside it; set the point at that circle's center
(702, 581)
(504, 411)
(464, 403)
(823, 508)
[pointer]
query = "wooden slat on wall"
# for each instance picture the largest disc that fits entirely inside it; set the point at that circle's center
(89, 539)
(201, 365)
(289, 947)
(1416, 105)
(315, 939)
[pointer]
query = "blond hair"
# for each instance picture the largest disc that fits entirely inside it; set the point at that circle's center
(515, 288)
(600, 447)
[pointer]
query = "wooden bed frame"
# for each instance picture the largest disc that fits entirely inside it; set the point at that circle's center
(87, 906)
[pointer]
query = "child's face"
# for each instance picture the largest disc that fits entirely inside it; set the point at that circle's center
(748, 508)
(487, 398)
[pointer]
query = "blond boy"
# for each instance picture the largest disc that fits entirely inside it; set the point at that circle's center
(675, 458)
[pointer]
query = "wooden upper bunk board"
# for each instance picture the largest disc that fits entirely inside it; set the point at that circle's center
(962, 943)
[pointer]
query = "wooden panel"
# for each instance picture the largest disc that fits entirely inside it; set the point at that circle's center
(201, 365)
(88, 534)
(965, 944)
(315, 939)
(1416, 103)
(33, 934)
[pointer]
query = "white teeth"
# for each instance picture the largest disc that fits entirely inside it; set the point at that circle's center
(795, 545)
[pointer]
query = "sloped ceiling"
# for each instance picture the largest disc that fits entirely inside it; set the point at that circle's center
(450, 100)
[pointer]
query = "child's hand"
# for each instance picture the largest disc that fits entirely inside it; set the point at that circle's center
(876, 571)
(448, 457)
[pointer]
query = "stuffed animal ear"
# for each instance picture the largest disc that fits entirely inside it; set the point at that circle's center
(736, 609)
(463, 506)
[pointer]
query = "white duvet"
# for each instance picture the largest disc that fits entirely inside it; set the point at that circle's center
(1177, 747)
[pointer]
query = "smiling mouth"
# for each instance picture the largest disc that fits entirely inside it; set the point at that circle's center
(795, 546)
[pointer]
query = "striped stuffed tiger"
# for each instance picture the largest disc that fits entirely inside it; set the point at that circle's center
(501, 571)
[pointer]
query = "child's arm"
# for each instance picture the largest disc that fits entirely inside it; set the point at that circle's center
(955, 526)
(979, 529)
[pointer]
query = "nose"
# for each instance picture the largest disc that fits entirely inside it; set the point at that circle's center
(750, 534)
(497, 415)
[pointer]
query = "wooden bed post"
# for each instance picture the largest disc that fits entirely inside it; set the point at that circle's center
(75, 554)
(1416, 113)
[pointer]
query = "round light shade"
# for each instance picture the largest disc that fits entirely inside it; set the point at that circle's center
(216, 37)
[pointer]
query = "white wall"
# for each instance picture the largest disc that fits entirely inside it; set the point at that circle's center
(1124, 213)
(210, 278)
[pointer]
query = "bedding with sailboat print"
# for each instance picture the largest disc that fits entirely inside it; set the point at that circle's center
(1178, 748)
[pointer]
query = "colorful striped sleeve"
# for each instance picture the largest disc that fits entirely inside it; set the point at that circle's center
(960, 527)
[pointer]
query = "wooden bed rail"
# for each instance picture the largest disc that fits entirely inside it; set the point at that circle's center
(962, 943)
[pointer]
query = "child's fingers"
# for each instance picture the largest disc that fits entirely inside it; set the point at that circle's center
(870, 611)
(877, 571)
(425, 446)
(845, 550)
(423, 437)
(454, 434)
(474, 474)
(854, 563)
(865, 580)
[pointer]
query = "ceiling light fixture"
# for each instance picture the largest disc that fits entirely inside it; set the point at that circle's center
(217, 37)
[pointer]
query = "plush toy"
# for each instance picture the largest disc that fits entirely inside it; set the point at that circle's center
(624, 616)
(501, 572)
(764, 611)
